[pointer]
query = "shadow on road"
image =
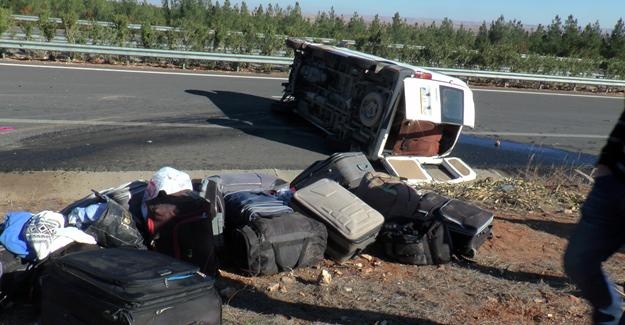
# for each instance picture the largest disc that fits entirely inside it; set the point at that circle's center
(254, 116)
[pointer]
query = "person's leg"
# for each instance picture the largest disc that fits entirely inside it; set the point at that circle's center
(599, 234)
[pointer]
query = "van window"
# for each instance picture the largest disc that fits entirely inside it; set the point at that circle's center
(452, 105)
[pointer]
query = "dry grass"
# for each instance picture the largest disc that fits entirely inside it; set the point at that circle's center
(557, 190)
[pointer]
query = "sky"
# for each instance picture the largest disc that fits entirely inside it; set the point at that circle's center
(529, 12)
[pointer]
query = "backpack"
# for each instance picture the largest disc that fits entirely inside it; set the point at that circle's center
(128, 197)
(180, 225)
(115, 227)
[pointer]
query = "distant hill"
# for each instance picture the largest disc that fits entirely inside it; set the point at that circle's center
(470, 25)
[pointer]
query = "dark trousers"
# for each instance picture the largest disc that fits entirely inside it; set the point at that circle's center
(599, 234)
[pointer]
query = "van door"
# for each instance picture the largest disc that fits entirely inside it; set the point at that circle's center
(440, 103)
(437, 102)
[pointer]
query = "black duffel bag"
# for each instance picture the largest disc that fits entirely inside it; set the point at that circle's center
(281, 243)
(419, 243)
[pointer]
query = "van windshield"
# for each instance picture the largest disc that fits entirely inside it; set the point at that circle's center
(452, 105)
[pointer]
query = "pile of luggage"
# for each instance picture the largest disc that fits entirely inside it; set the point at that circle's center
(149, 252)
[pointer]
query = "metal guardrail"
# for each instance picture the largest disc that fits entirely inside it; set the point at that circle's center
(78, 48)
(277, 60)
(89, 23)
(530, 77)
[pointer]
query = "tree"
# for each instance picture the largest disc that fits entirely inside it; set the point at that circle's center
(616, 42)
(98, 34)
(571, 41)
(464, 38)
(329, 25)
(356, 27)
(481, 40)
(47, 27)
(148, 36)
(591, 41)
(69, 11)
(294, 23)
(497, 32)
(536, 39)
(552, 40)
(98, 10)
(376, 41)
(121, 27)
(6, 21)
(398, 30)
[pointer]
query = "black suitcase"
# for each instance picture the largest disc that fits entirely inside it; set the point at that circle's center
(347, 169)
(14, 278)
(470, 226)
(126, 286)
(352, 224)
(281, 243)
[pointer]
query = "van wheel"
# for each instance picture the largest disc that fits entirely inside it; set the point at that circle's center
(371, 109)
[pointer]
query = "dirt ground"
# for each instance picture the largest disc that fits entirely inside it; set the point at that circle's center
(516, 278)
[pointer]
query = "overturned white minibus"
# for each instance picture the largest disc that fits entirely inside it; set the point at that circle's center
(405, 116)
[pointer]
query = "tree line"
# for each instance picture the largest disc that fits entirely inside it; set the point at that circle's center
(560, 47)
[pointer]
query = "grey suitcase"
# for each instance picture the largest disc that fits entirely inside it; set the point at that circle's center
(346, 168)
(352, 224)
(217, 187)
(211, 189)
(237, 182)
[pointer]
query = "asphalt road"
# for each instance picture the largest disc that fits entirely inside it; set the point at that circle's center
(102, 119)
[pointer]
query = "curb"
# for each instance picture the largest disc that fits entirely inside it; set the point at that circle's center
(73, 185)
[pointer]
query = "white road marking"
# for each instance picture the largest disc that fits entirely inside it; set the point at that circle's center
(247, 124)
(545, 93)
(190, 74)
(543, 135)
